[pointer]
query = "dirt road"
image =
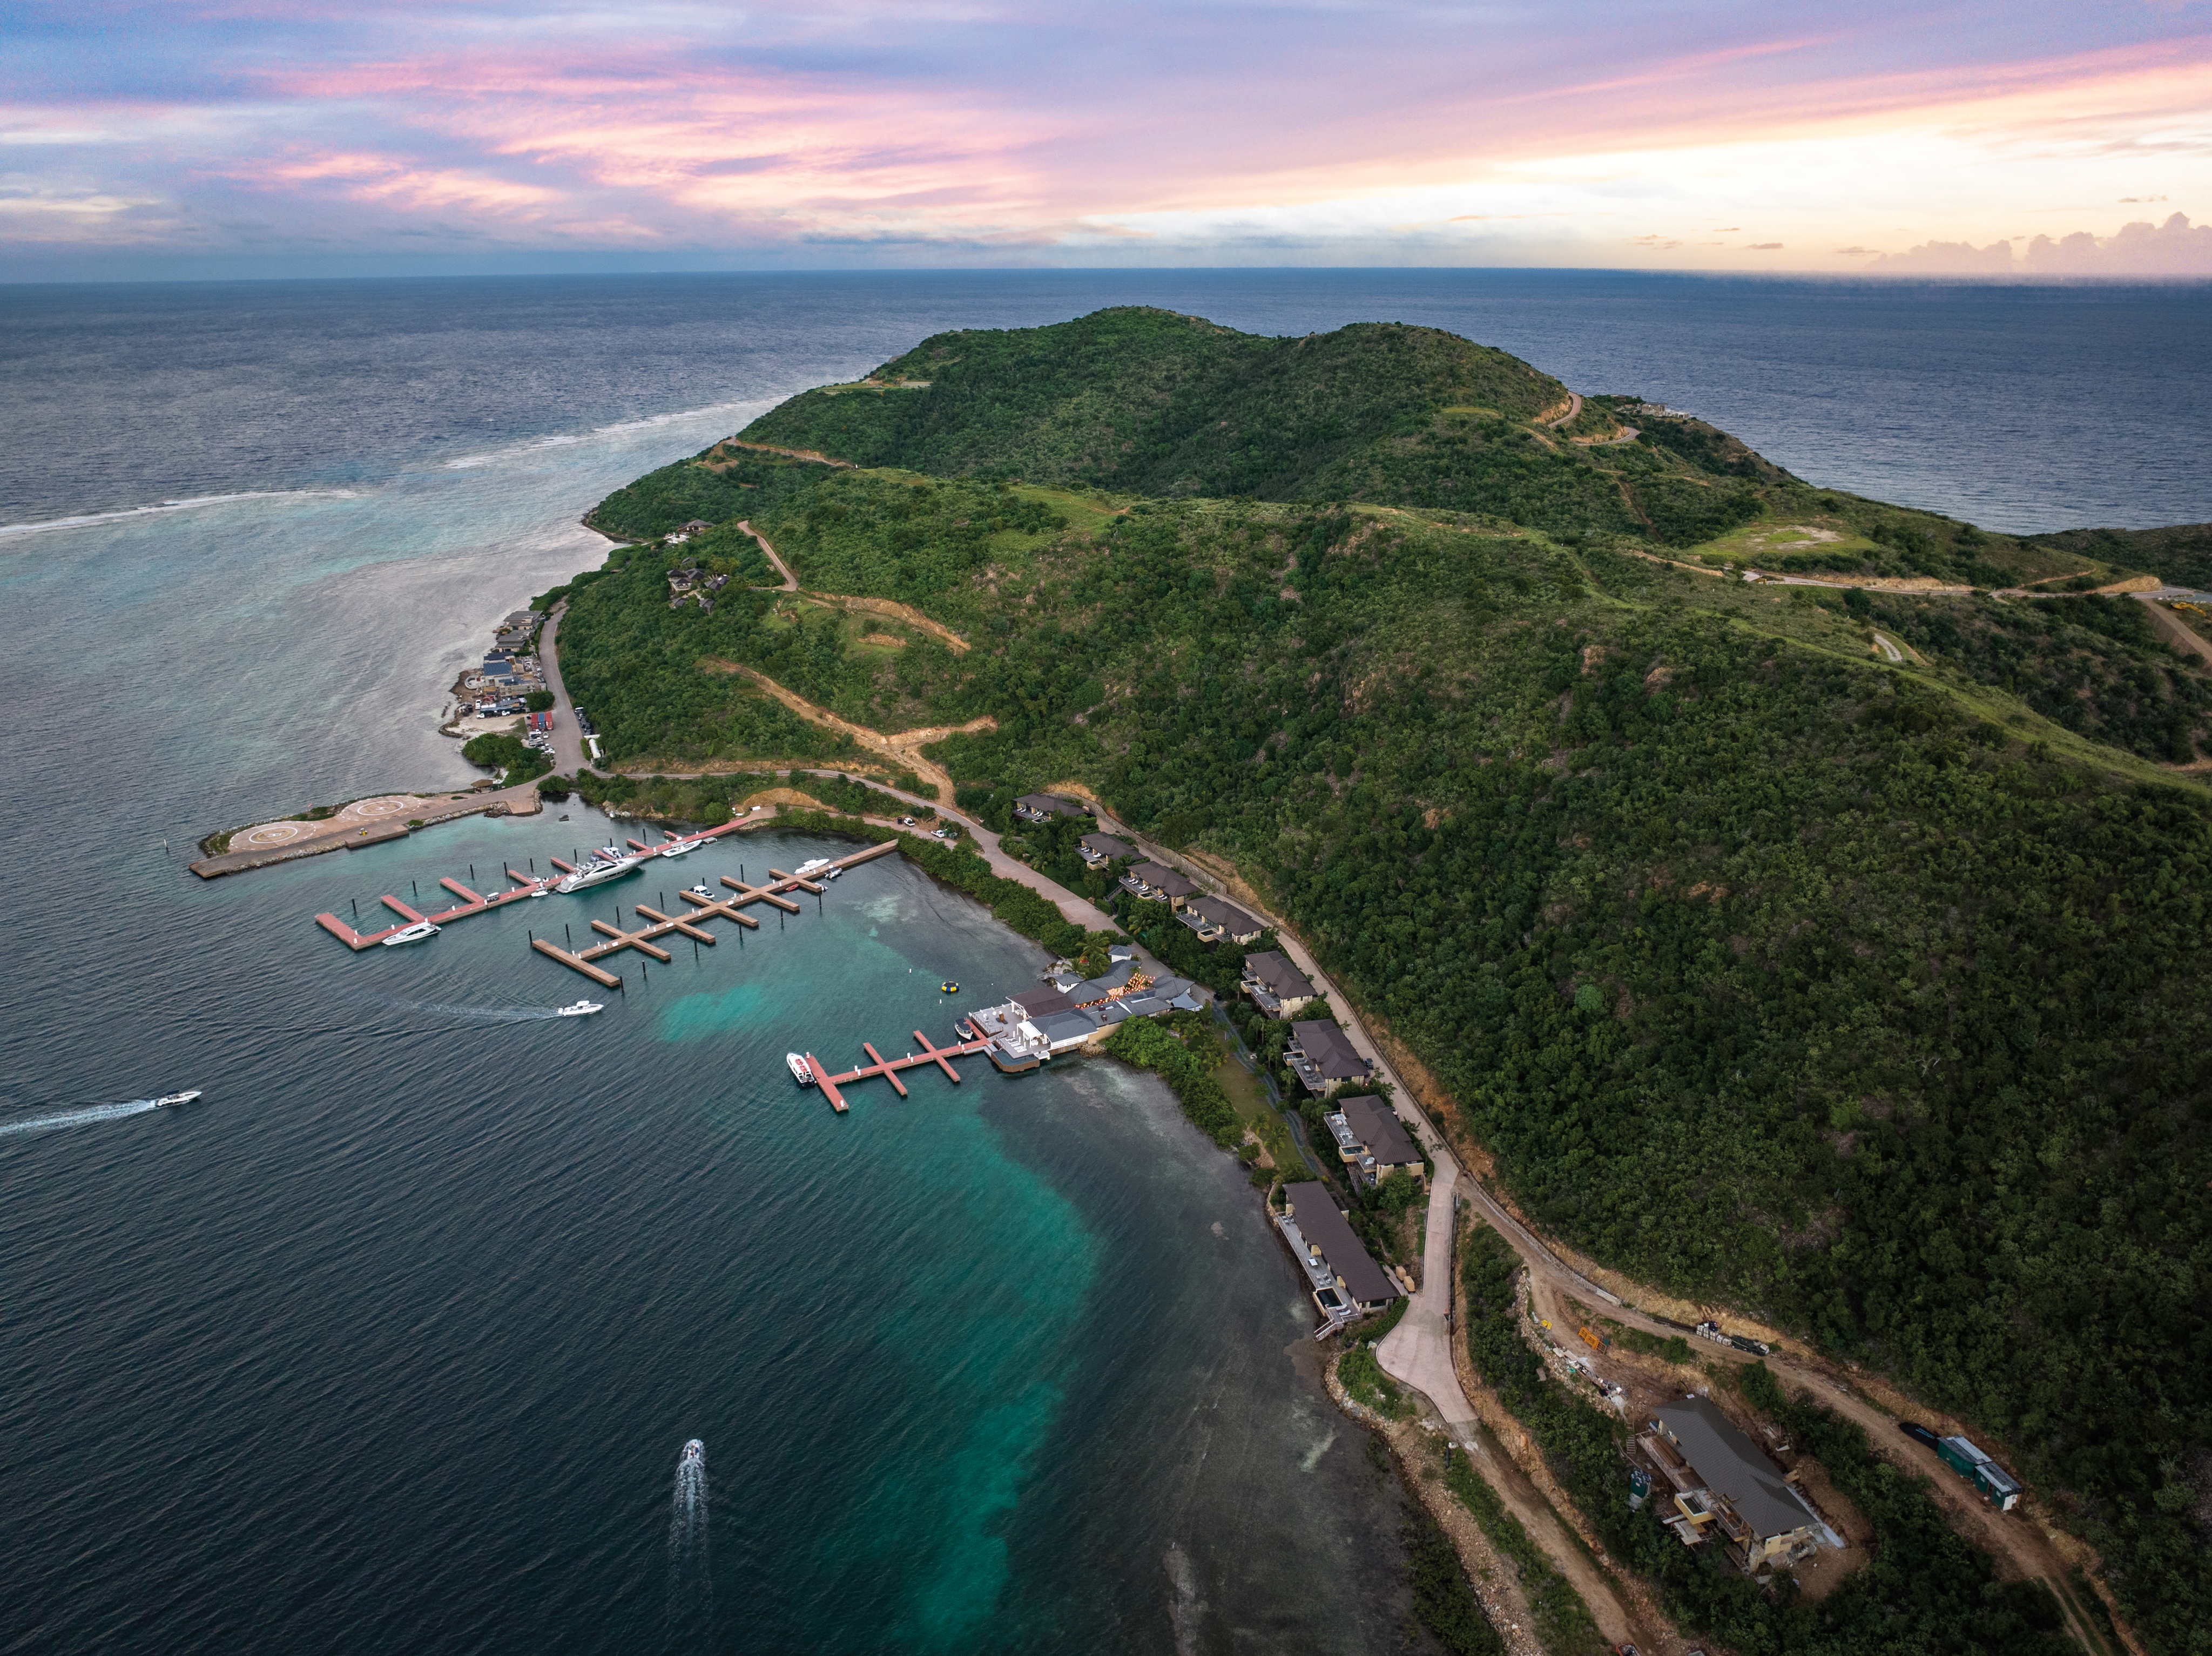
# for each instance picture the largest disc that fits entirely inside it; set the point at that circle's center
(790, 581)
(903, 747)
(2172, 626)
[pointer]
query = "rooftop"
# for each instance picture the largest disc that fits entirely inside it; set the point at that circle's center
(1274, 972)
(1105, 845)
(1382, 1130)
(1229, 918)
(1162, 879)
(1732, 1466)
(1328, 1051)
(1051, 804)
(1327, 1228)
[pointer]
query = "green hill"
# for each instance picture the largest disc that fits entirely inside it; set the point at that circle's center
(1870, 996)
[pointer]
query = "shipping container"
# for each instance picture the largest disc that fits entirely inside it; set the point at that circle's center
(1996, 1484)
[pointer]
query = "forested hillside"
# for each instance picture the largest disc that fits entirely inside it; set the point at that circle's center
(1870, 997)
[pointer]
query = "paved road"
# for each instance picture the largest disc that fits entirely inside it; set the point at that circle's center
(1574, 407)
(568, 736)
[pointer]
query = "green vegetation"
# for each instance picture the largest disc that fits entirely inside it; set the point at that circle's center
(1564, 1625)
(509, 754)
(1363, 1378)
(2181, 553)
(1672, 1348)
(2099, 666)
(732, 484)
(1869, 998)
(1162, 1047)
(1443, 1598)
(1926, 1589)
(538, 701)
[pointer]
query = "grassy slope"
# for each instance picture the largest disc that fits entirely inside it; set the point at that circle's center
(1870, 997)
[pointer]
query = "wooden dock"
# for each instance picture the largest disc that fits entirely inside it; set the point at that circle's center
(888, 1068)
(524, 887)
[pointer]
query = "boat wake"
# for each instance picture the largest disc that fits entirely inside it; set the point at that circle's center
(690, 1574)
(84, 1117)
(476, 1014)
(85, 518)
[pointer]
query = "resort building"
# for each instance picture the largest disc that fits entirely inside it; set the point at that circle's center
(1321, 1058)
(1048, 807)
(1346, 1281)
(1371, 1142)
(1277, 987)
(1723, 1484)
(1159, 885)
(1098, 850)
(1214, 919)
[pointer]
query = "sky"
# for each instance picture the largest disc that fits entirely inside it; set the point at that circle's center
(1906, 136)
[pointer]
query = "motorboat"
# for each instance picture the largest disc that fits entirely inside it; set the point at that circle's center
(810, 869)
(421, 931)
(170, 1100)
(801, 1071)
(702, 889)
(582, 1009)
(605, 865)
(695, 1454)
(678, 847)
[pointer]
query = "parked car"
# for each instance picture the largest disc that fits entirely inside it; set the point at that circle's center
(908, 821)
(1917, 1432)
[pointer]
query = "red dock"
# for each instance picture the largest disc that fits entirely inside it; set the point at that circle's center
(877, 1064)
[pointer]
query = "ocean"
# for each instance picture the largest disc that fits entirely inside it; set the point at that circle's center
(392, 1341)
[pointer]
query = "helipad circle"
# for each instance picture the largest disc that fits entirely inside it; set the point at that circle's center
(391, 804)
(272, 834)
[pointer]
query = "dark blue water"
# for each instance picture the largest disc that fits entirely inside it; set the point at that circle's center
(2020, 407)
(392, 1342)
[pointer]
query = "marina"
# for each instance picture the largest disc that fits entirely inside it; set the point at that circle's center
(414, 924)
(877, 1064)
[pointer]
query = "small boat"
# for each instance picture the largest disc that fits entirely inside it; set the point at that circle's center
(695, 1454)
(170, 1100)
(948, 987)
(679, 847)
(810, 869)
(702, 889)
(421, 931)
(582, 1009)
(801, 1071)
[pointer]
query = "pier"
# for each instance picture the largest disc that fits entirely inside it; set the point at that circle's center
(524, 887)
(888, 1068)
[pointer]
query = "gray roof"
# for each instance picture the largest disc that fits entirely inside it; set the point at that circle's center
(1328, 1051)
(1107, 846)
(1275, 973)
(1043, 1002)
(1116, 976)
(1732, 1466)
(1226, 915)
(1383, 1132)
(1055, 803)
(1320, 1223)
(1164, 879)
(1066, 1026)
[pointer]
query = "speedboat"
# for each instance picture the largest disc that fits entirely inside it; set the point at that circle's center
(678, 847)
(801, 1071)
(810, 869)
(421, 931)
(168, 1100)
(582, 1009)
(702, 889)
(695, 1454)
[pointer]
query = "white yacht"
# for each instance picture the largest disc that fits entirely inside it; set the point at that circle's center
(421, 931)
(167, 1100)
(582, 1009)
(818, 868)
(606, 863)
(801, 1071)
(678, 847)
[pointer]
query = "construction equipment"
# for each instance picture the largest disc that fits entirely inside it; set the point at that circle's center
(1596, 1341)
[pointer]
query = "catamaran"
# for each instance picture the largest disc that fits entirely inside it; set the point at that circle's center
(421, 931)
(606, 863)
(801, 1071)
